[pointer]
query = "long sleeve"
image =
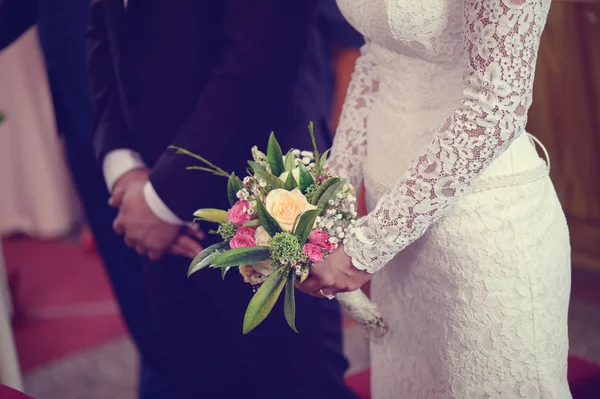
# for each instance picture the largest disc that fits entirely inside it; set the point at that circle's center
(501, 42)
(252, 84)
(110, 128)
(350, 143)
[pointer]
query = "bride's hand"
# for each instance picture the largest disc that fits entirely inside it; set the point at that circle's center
(335, 274)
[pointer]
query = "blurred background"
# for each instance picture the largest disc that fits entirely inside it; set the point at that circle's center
(57, 300)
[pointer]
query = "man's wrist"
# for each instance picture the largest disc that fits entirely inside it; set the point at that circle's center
(158, 207)
(118, 162)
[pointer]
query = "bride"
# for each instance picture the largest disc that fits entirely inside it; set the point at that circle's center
(465, 241)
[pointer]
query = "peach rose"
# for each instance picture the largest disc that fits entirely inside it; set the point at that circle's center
(285, 206)
(262, 239)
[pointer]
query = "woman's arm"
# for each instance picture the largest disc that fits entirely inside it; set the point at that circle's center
(501, 43)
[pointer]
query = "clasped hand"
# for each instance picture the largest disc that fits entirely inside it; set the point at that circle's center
(141, 228)
(335, 274)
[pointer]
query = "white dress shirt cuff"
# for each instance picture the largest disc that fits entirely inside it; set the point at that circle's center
(159, 208)
(118, 162)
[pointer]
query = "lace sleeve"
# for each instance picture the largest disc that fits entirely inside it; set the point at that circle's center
(501, 42)
(350, 144)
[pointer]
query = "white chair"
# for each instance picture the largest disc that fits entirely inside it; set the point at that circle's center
(10, 373)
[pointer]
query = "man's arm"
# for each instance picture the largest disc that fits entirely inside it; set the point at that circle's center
(113, 145)
(16, 16)
(253, 81)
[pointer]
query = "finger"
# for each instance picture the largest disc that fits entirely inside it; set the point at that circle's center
(310, 285)
(130, 242)
(140, 249)
(195, 231)
(154, 254)
(116, 199)
(118, 226)
(191, 246)
(180, 250)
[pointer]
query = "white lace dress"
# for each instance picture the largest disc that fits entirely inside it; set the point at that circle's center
(462, 213)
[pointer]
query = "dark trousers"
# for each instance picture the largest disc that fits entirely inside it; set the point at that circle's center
(200, 323)
(61, 26)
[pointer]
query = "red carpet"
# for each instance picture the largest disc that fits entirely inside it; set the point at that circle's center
(9, 393)
(64, 305)
(62, 294)
(584, 379)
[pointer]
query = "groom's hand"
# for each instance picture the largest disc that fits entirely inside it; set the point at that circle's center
(335, 274)
(143, 230)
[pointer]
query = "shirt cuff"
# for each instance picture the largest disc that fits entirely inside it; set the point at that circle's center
(158, 207)
(118, 162)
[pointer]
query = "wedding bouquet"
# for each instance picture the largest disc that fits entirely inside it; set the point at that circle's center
(287, 214)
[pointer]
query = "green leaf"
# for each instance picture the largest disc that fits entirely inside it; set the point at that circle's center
(271, 180)
(263, 301)
(274, 156)
(224, 272)
(323, 159)
(306, 179)
(211, 215)
(204, 258)
(241, 256)
(256, 166)
(233, 186)
(304, 274)
(266, 220)
(290, 182)
(311, 130)
(252, 223)
(330, 194)
(305, 225)
(323, 188)
(289, 306)
(289, 161)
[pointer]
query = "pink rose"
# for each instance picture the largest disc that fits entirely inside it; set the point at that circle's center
(246, 231)
(327, 246)
(313, 252)
(318, 237)
(238, 213)
(241, 241)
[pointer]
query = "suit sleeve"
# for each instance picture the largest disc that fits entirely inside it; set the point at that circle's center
(265, 43)
(109, 125)
(16, 17)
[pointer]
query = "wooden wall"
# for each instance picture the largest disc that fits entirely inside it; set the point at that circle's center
(565, 116)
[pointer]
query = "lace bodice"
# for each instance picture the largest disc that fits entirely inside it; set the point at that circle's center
(492, 44)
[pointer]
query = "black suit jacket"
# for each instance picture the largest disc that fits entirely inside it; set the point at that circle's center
(212, 76)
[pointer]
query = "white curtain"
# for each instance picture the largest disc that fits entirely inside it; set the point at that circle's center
(36, 194)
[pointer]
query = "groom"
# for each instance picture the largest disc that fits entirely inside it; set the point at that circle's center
(215, 77)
